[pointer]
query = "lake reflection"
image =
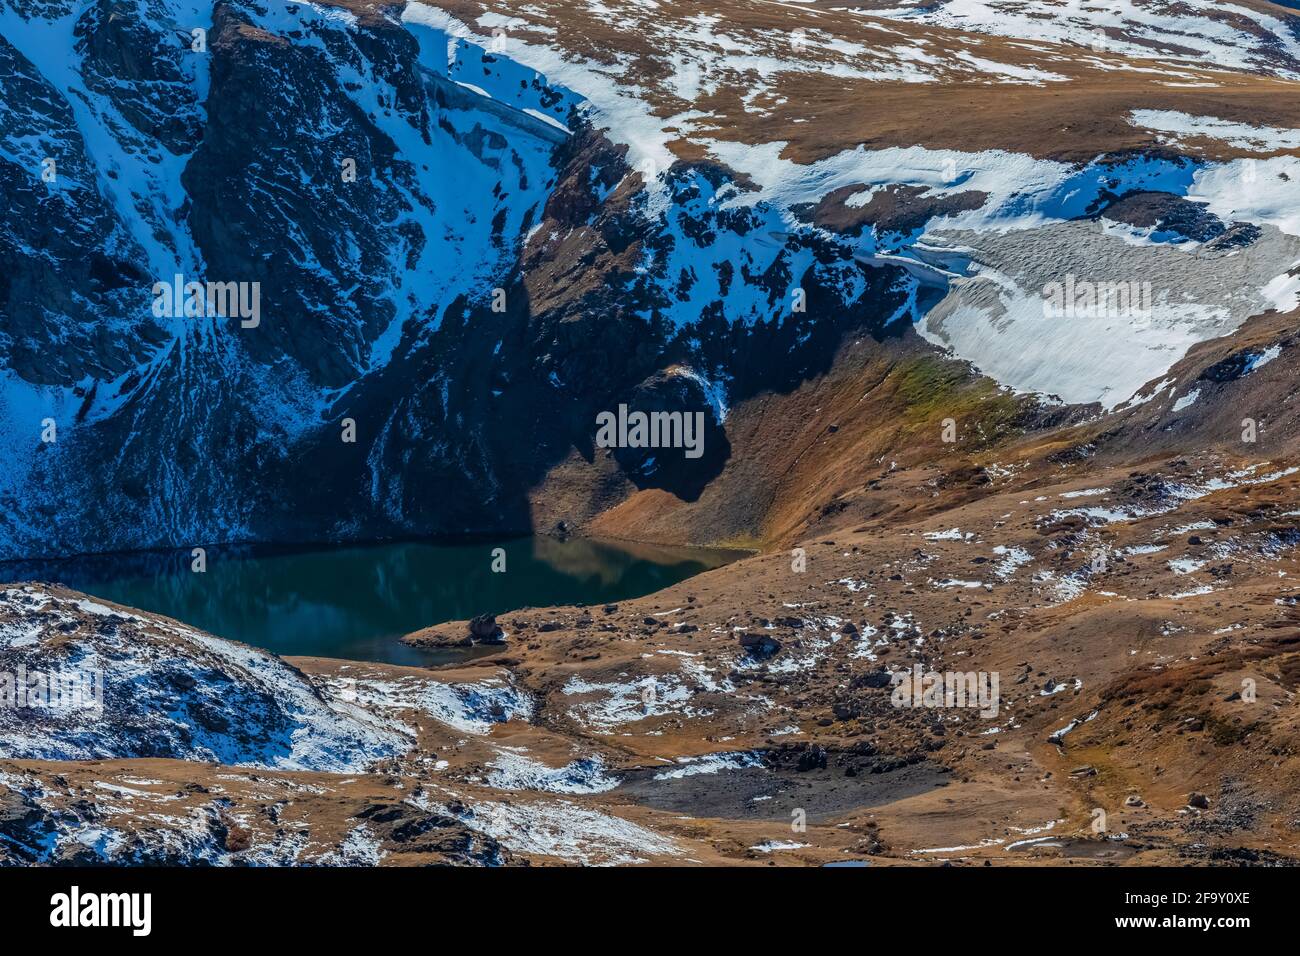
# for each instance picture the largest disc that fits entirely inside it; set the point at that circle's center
(355, 602)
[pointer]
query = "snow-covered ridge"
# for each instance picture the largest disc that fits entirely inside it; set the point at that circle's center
(158, 688)
(167, 691)
(1196, 34)
(558, 828)
(1182, 127)
(995, 314)
(471, 708)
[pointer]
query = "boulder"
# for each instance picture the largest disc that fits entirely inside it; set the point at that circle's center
(760, 645)
(813, 757)
(873, 679)
(484, 629)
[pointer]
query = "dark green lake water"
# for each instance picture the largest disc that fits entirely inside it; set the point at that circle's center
(355, 602)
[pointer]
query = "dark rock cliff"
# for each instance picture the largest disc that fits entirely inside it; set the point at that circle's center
(448, 289)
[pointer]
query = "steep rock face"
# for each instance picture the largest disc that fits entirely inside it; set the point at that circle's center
(70, 279)
(283, 211)
(449, 287)
(183, 149)
(144, 68)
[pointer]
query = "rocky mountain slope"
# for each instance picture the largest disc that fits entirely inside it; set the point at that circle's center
(472, 229)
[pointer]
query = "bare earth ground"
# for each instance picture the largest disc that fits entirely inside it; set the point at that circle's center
(1153, 666)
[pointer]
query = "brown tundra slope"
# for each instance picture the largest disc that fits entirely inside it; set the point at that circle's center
(1132, 596)
(1133, 601)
